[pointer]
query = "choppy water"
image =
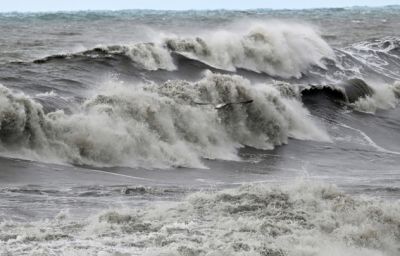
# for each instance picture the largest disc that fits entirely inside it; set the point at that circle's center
(113, 142)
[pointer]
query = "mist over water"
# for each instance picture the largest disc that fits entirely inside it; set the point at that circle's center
(200, 133)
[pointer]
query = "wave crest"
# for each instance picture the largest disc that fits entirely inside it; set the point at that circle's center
(149, 56)
(275, 48)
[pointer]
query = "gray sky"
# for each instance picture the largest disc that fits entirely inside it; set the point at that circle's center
(57, 5)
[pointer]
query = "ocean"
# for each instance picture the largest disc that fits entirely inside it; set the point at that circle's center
(257, 132)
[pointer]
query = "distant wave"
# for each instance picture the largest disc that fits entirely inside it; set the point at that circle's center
(280, 50)
(275, 48)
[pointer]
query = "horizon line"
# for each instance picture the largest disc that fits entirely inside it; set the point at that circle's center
(200, 10)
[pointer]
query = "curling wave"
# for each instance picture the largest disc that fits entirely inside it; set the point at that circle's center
(349, 91)
(160, 125)
(357, 94)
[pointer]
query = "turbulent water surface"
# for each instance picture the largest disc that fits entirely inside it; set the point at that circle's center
(200, 133)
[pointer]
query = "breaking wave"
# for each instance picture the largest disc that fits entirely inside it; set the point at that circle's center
(156, 125)
(305, 219)
(275, 48)
(278, 49)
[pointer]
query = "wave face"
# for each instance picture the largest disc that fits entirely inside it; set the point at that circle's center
(302, 219)
(148, 56)
(159, 125)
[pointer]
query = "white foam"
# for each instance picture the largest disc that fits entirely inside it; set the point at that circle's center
(305, 219)
(47, 94)
(384, 97)
(276, 48)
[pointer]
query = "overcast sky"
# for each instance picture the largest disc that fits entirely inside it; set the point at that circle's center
(57, 5)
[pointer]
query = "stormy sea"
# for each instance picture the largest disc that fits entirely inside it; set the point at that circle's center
(258, 132)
